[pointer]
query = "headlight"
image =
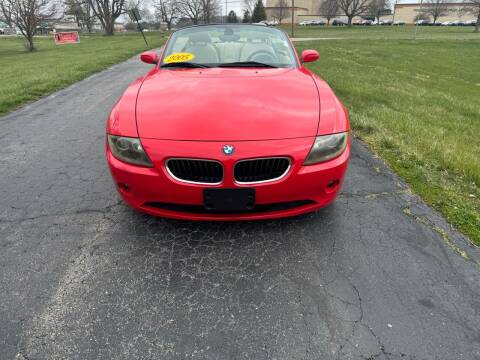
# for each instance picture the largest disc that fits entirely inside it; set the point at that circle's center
(129, 150)
(327, 147)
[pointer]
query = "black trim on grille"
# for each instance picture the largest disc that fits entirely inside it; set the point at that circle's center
(195, 170)
(260, 170)
(199, 209)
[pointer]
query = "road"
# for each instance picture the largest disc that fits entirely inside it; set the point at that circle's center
(377, 275)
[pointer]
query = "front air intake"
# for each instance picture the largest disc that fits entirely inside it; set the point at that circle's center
(195, 171)
(261, 170)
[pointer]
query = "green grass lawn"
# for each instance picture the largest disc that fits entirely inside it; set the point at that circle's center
(416, 103)
(28, 76)
(383, 32)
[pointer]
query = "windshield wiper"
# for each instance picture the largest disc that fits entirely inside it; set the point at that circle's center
(184, 64)
(247, 64)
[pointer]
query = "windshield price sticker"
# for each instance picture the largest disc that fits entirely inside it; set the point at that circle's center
(178, 57)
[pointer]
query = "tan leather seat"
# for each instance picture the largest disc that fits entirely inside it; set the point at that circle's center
(229, 51)
(251, 48)
(200, 45)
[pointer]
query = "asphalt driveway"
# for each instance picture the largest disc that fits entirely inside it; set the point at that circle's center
(377, 275)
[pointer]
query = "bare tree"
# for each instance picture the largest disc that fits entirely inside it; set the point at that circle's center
(6, 13)
(329, 9)
(73, 8)
(421, 16)
(82, 12)
(168, 11)
(377, 8)
(146, 14)
(281, 11)
(232, 17)
(435, 9)
(89, 17)
(209, 9)
(107, 11)
(352, 8)
(191, 9)
(249, 5)
(27, 16)
(246, 18)
(473, 7)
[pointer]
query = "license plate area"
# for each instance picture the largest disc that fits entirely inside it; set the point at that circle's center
(229, 200)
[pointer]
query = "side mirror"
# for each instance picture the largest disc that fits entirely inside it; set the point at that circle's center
(310, 56)
(149, 57)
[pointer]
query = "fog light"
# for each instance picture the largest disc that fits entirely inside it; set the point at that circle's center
(123, 187)
(332, 183)
(332, 186)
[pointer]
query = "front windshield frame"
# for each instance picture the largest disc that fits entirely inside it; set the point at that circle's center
(291, 53)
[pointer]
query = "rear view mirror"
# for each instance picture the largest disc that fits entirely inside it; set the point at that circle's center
(149, 57)
(310, 56)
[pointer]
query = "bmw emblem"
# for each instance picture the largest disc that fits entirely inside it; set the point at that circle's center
(228, 149)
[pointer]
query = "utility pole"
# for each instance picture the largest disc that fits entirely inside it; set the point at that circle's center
(293, 16)
(416, 22)
(226, 11)
(135, 16)
(394, 8)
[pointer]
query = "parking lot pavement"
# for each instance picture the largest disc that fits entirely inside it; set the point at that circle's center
(377, 275)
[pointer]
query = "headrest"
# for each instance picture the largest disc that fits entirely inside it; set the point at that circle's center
(259, 37)
(200, 37)
(229, 38)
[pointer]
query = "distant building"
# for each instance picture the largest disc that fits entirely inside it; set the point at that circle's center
(310, 10)
(304, 10)
(119, 27)
(63, 26)
(409, 12)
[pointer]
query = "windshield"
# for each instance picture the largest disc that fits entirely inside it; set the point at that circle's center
(229, 45)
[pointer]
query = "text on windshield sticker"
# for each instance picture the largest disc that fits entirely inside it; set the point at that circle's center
(178, 57)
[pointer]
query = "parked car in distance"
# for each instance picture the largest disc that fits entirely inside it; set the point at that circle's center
(312, 22)
(469, 23)
(398, 23)
(8, 31)
(338, 22)
(363, 22)
(306, 23)
(269, 22)
(423, 22)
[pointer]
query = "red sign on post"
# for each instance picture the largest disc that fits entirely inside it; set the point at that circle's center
(71, 37)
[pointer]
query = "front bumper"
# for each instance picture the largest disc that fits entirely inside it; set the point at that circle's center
(303, 189)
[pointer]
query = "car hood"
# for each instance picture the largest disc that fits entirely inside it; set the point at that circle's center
(221, 104)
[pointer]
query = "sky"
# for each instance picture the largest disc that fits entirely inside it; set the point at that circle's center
(235, 5)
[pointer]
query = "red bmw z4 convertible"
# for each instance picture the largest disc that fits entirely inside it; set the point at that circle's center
(228, 125)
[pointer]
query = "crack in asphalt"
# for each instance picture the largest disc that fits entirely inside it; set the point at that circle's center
(463, 253)
(103, 210)
(373, 195)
